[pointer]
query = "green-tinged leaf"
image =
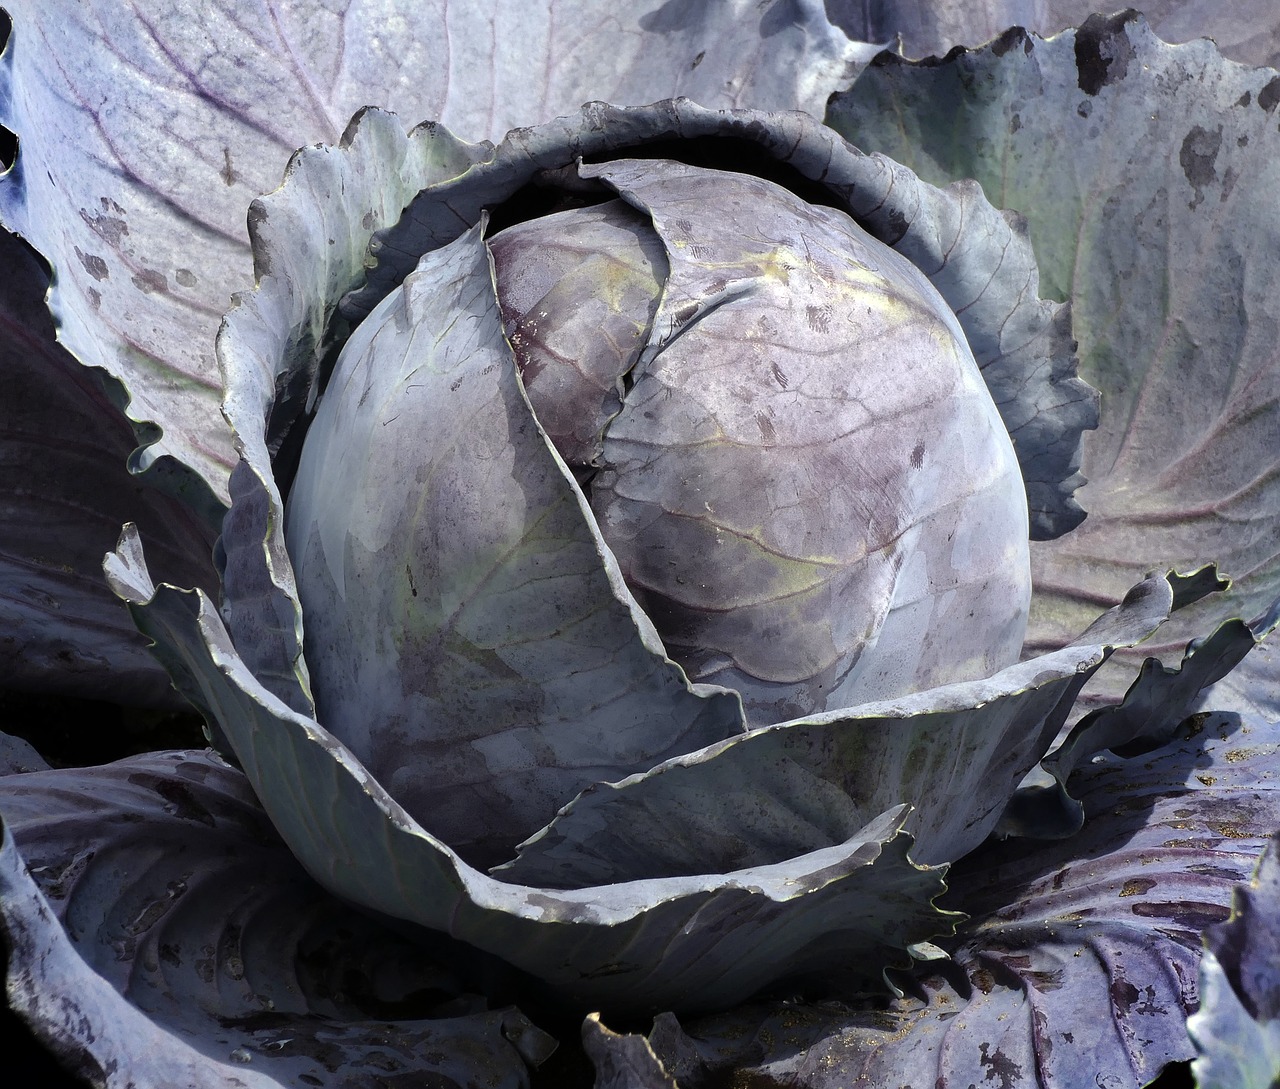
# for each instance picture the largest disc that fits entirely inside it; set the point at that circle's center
(169, 938)
(64, 492)
(1153, 710)
(685, 942)
(1237, 1027)
(807, 484)
(1147, 175)
(1079, 964)
(146, 129)
(978, 259)
(469, 635)
(954, 753)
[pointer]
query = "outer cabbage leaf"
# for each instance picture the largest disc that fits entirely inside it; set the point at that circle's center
(692, 942)
(1147, 173)
(161, 934)
(64, 492)
(146, 129)
(955, 753)
(1245, 30)
(1237, 1027)
(1079, 964)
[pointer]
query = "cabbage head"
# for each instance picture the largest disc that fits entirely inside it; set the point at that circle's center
(616, 594)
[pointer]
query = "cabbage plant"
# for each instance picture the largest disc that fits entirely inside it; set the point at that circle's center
(676, 582)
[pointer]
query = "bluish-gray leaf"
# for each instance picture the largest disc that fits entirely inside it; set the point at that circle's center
(1158, 702)
(1147, 174)
(690, 942)
(469, 635)
(1237, 1027)
(954, 753)
(64, 492)
(161, 934)
(1079, 965)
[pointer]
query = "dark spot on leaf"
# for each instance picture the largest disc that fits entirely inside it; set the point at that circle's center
(779, 375)
(181, 802)
(1198, 155)
(1123, 995)
(229, 176)
(1207, 869)
(818, 317)
(1137, 886)
(256, 218)
(95, 298)
(151, 282)
(1015, 123)
(409, 574)
(366, 221)
(767, 431)
(1244, 99)
(897, 227)
(1103, 51)
(697, 60)
(1195, 916)
(1270, 95)
(1085, 108)
(94, 265)
(185, 277)
(109, 228)
(917, 456)
(685, 314)
(1000, 1066)
(674, 15)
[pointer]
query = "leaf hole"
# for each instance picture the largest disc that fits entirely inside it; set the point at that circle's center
(8, 149)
